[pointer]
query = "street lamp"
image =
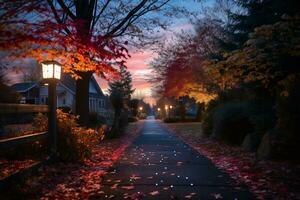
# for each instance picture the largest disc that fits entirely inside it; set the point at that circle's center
(158, 109)
(51, 71)
(170, 112)
(167, 110)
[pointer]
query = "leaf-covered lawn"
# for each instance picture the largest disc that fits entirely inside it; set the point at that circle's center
(78, 180)
(265, 179)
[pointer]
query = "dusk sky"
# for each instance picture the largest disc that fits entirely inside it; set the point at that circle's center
(138, 64)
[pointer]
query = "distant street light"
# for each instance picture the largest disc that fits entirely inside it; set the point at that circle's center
(167, 110)
(141, 108)
(51, 72)
(170, 112)
(158, 109)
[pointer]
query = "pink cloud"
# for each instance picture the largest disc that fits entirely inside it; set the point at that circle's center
(139, 68)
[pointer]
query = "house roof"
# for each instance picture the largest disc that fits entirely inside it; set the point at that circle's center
(23, 87)
(66, 80)
(97, 86)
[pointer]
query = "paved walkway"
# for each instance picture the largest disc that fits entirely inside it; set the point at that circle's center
(160, 166)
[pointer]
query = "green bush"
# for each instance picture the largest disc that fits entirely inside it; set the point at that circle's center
(288, 113)
(231, 123)
(238, 112)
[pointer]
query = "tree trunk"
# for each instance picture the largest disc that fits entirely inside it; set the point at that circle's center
(82, 97)
(116, 124)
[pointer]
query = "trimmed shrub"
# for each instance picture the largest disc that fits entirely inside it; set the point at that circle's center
(231, 123)
(247, 110)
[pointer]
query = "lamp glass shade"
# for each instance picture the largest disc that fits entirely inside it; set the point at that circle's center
(47, 70)
(57, 71)
(51, 70)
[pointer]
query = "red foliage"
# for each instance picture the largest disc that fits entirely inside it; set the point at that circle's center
(35, 33)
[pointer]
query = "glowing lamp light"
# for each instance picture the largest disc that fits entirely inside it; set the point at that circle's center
(51, 70)
(158, 109)
(141, 108)
(166, 107)
(171, 107)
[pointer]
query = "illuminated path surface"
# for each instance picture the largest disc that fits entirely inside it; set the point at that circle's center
(160, 166)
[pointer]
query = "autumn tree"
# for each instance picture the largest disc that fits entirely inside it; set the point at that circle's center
(269, 56)
(177, 70)
(85, 36)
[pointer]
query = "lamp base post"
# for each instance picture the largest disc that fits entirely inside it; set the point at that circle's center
(52, 119)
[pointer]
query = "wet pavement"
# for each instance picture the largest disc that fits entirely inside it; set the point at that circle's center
(159, 165)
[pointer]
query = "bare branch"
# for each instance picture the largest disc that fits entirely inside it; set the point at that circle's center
(66, 9)
(128, 17)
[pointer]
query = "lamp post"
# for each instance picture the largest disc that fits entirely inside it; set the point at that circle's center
(158, 112)
(141, 110)
(167, 111)
(51, 72)
(171, 112)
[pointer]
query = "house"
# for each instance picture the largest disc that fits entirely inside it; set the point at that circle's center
(37, 93)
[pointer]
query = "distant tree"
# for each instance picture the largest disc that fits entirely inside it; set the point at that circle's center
(117, 101)
(7, 94)
(123, 84)
(30, 74)
(134, 105)
(183, 58)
